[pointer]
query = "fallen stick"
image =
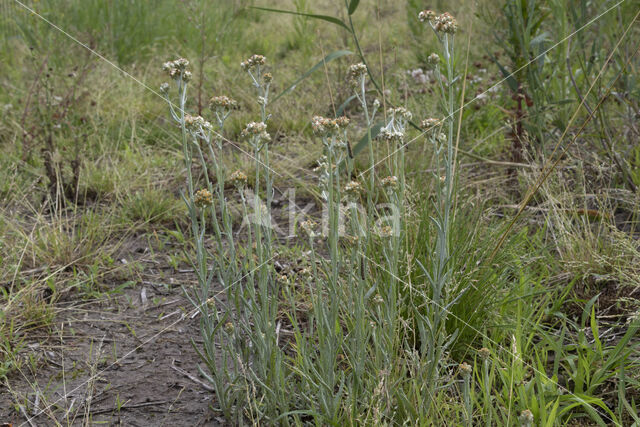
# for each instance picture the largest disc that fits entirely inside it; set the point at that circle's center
(131, 406)
(191, 377)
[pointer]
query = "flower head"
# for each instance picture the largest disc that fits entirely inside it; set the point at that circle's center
(254, 61)
(309, 228)
(400, 112)
(229, 328)
(267, 78)
(203, 198)
(390, 135)
(164, 88)
(256, 129)
(238, 178)
(484, 353)
(526, 417)
(426, 15)
(386, 231)
(433, 59)
(465, 369)
(430, 123)
(223, 104)
(323, 126)
(390, 182)
(356, 72)
(177, 69)
(196, 123)
(445, 23)
(353, 188)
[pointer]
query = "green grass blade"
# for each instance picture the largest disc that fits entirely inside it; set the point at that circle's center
(328, 58)
(327, 18)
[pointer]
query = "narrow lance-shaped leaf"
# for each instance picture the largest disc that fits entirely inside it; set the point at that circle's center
(328, 58)
(375, 129)
(344, 105)
(327, 18)
(353, 5)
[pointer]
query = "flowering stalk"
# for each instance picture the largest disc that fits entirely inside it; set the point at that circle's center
(394, 185)
(329, 332)
(267, 364)
(357, 75)
(432, 332)
(196, 131)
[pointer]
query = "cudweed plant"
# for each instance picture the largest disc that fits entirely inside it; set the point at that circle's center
(321, 370)
(205, 214)
(244, 328)
(431, 325)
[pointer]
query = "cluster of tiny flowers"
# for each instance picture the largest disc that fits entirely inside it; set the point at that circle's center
(433, 59)
(526, 417)
(164, 88)
(223, 103)
(378, 300)
(445, 23)
(465, 369)
(238, 178)
(386, 231)
(258, 129)
(195, 123)
(229, 328)
(353, 188)
(177, 69)
(253, 62)
(323, 126)
(484, 353)
(356, 72)
(390, 135)
(267, 77)
(426, 15)
(203, 198)
(400, 112)
(390, 182)
(309, 228)
(430, 123)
